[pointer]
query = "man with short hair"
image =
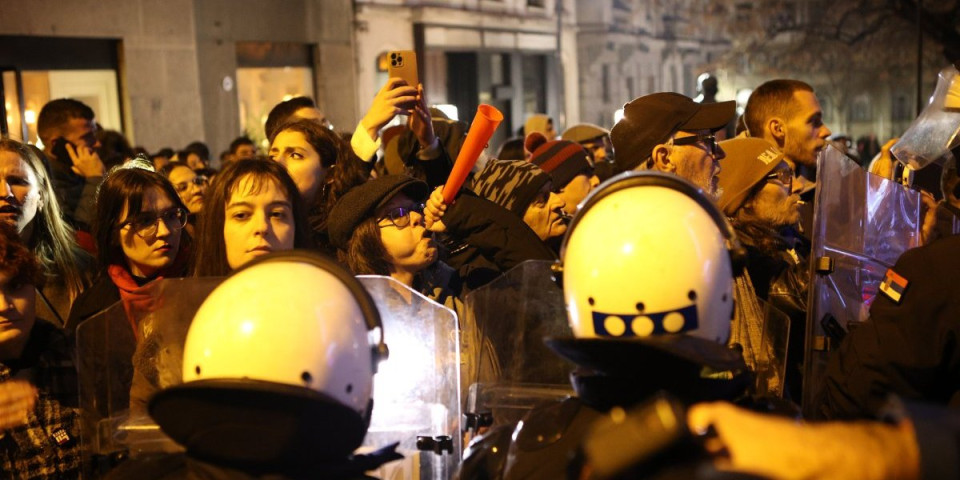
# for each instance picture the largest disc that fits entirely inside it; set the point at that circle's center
(296, 108)
(787, 113)
(69, 134)
(196, 155)
(669, 132)
(242, 148)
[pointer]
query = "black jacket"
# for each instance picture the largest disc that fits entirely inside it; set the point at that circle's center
(782, 280)
(910, 348)
(95, 299)
(486, 240)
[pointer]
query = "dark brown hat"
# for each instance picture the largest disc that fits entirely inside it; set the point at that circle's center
(650, 120)
(748, 162)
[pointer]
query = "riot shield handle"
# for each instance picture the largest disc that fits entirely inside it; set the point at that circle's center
(438, 444)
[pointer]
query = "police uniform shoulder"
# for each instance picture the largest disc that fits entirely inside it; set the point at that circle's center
(939, 255)
(917, 277)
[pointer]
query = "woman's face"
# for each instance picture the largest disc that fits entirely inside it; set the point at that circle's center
(409, 248)
(302, 162)
(150, 238)
(259, 220)
(17, 309)
(185, 182)
(19, 191)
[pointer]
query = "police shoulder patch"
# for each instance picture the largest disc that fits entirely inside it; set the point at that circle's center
(893, 286)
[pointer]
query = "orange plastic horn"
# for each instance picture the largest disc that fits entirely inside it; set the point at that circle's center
(484, 124)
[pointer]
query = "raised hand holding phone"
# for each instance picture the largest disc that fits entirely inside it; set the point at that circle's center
(86, 162)
(394, 98)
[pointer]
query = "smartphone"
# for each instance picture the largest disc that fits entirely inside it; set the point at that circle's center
(59, 151)
(403, 64)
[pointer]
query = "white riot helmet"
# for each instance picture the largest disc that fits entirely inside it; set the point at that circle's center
(649, 254)
(278, 355)
(290, 322)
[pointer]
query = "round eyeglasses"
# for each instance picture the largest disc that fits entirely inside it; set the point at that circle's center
(199, 180)
(145, 224)
(400, 217)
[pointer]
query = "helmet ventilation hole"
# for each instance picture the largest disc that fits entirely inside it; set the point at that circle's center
(197, 369)
(640, 306)
(724, 298)
(349, 388)
(590, 301)
(692, 295)
(306, 377)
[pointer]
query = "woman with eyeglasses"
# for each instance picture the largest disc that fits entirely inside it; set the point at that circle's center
(140, 237)
(762, 201)
(189, 185)
(252, 208)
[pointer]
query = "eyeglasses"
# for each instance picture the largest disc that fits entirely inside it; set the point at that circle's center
(199, 180)
(783, 176)
(146, 224)
(709, 141)
(400, 217)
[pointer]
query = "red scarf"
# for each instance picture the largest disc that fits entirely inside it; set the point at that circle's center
(137, 300)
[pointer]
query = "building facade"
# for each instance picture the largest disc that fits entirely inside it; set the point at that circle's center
(169, 72)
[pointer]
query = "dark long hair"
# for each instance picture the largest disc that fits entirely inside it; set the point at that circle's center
(212, 250)
(365, 253)
(127, 186)
(52, 240)
(346, 169)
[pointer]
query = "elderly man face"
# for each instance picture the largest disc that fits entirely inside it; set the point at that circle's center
(694, 156)
(775, 200)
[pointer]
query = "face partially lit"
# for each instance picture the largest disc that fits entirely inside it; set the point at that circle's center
(259, 220)
(146, 255)
(697, 163)
(544, 216)
(19, 191)
(805, 133)
(194, 161)
(245, 151)
(302, 162)
(311, 113)
(184, 182)
(574, 193)
(409, 248)
(81, 132)
(774, 204)
(17, 310)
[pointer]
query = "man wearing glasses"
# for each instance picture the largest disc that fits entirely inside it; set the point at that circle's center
(671, 133)
(761, 201)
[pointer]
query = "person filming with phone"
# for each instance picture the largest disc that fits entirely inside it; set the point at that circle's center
(69, 134)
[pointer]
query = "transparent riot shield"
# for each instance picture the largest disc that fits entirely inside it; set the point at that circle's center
(934, 132)
(416, 391)
(862, 223)
(125, 354)
(507, 366)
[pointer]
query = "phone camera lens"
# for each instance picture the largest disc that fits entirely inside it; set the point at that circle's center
(393, 55)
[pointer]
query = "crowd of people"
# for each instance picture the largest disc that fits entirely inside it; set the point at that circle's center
(83, 227)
